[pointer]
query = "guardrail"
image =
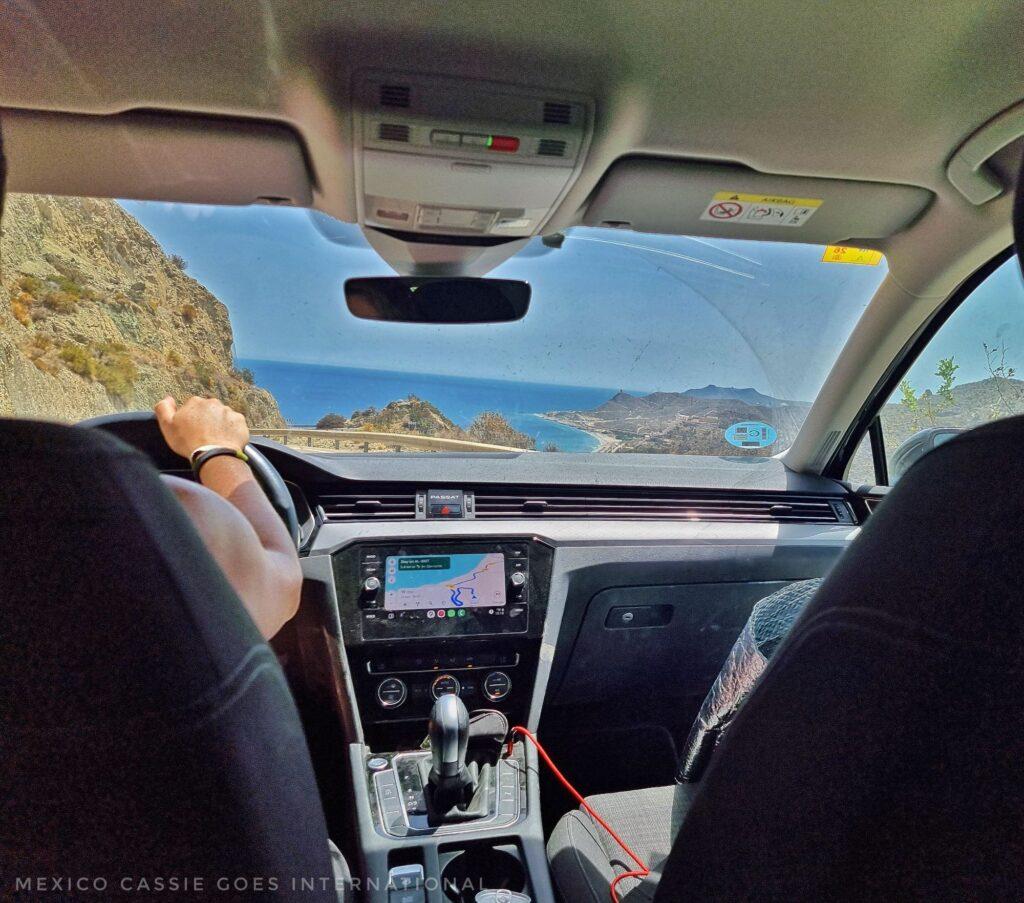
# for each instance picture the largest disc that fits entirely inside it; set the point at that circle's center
(396, 441)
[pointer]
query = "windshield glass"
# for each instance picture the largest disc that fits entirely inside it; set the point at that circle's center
(632, 343)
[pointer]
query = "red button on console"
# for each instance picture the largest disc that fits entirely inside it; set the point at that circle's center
(505, 143)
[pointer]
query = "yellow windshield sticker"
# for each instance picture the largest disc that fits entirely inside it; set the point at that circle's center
(759, 209)
(862, 256)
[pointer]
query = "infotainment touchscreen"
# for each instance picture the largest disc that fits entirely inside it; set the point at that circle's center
(444, 584)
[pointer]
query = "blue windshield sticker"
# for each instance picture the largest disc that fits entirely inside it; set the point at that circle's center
(751, 434)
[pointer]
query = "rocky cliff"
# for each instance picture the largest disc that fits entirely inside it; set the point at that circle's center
(96, 318)
(414, 416)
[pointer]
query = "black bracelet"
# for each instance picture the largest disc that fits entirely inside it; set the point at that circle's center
(201, 455)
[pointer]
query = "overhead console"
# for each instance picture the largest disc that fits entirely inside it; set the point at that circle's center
(447, 157)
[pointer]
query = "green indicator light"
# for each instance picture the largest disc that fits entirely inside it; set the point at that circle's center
(490, 140)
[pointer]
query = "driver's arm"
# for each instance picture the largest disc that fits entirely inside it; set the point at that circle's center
(231, 513)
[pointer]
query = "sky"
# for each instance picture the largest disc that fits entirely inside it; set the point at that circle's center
(992, 315)
(611, 308)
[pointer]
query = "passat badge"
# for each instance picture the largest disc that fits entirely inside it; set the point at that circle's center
(751, 434)
(445, 503)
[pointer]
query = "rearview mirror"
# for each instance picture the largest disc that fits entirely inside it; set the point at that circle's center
(412, 299)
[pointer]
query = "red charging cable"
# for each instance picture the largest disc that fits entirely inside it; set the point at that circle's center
(642, 871)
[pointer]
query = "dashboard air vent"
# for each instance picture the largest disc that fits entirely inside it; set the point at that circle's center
(557, 113)
(389, 131)
(395, 95)
(551, 147)
(659, 504)
(368, 503)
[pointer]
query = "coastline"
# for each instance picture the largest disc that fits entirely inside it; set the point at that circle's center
(606, 442)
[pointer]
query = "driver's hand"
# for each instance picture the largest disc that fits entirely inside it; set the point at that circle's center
(200, 421)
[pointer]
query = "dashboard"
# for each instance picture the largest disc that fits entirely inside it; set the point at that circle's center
(603, 600)
(592, 598)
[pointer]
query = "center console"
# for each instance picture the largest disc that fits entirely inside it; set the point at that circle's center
(427, 618)
(444, 637)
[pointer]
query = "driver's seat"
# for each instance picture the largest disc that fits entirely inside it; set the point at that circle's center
(146, 730)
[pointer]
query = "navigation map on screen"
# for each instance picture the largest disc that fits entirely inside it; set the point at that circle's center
(413, 582)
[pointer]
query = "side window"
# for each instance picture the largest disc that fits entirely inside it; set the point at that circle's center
(968, 374)
(861, 471)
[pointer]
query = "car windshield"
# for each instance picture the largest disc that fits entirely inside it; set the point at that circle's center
(633, 342)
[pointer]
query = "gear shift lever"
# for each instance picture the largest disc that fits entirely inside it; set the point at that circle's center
(449, 734)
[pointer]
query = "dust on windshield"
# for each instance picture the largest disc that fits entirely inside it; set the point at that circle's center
(633, 343)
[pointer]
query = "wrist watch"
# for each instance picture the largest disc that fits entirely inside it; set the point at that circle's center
(208, 452)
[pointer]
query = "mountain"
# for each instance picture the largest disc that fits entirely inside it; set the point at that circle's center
(96, 318)
(690, 422)
(415, 416)
(749, 396)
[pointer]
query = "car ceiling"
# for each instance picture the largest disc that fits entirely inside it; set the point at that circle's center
(875, 92)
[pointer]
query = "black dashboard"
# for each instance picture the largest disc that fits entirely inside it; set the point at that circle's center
(630, 585)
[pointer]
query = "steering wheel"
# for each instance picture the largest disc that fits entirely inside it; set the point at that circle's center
(140, 429)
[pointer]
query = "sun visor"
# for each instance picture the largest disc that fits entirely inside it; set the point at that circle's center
(154, 156)
(690, 198)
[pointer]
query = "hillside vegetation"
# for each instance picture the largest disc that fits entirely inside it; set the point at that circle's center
(415, 416)
(95, 318)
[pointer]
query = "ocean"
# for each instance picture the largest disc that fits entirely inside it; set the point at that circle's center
(305, 392)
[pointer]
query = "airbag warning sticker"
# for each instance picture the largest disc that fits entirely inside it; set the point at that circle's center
(760, 209)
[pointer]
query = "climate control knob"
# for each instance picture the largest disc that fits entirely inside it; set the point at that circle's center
(391, 692)
(445, 683)
(371, 586)
(517, 580)
(497, 685)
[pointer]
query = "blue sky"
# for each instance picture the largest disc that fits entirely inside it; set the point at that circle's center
(610, 308)
(992, 315)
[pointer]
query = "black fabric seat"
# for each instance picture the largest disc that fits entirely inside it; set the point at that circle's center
(146, 729)
(879, 756)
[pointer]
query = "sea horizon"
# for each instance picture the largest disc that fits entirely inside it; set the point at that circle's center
(306, 392)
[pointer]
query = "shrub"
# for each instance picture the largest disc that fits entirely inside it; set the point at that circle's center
(108, 363)
(69, 286)
(30, 284)
(204, 374)
(180, 262)
(117, 375)
(189, 312)
(60, 302)
(21, 307)
(38, 350)
(246, 375)
(551, 447)
(331, 422)
(78, 359)
(174, 359)
(492, 427)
